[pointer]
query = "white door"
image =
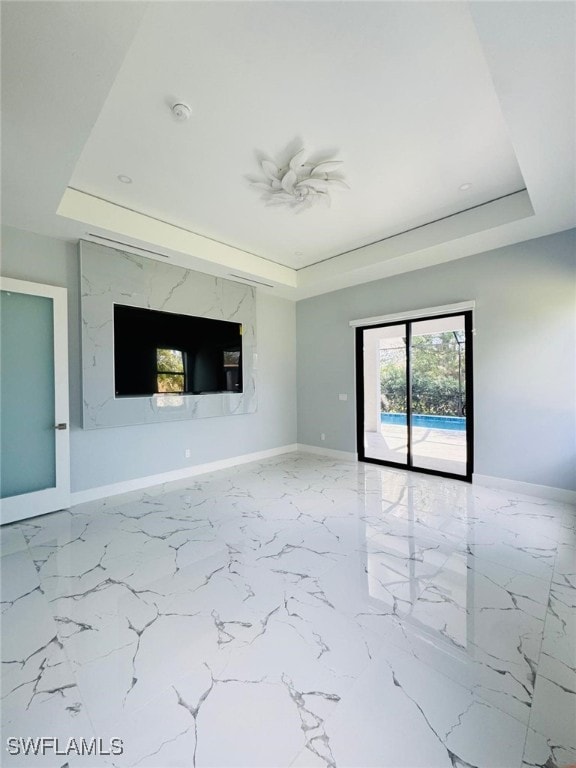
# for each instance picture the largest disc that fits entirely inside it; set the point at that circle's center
(34, 434)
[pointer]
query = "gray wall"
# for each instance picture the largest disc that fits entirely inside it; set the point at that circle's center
(524, 355)
(106, 456)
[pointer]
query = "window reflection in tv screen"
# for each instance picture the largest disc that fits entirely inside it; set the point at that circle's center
(162, 352)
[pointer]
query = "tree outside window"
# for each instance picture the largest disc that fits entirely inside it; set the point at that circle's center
(170, 372)
(438, 375)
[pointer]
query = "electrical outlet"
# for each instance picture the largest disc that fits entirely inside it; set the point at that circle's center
(187, 453)
(322, 436)
(343, 397)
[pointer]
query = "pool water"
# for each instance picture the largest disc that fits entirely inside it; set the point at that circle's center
(431, 422)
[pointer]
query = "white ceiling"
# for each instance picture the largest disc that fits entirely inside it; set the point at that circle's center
(414, 98)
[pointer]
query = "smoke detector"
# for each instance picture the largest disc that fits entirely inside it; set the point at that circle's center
(181, 111)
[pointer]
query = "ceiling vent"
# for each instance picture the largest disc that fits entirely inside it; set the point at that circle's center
(94, 238)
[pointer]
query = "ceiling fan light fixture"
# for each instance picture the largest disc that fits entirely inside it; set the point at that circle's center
(300, 184)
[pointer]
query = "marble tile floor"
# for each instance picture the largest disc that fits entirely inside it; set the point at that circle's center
(300, 611)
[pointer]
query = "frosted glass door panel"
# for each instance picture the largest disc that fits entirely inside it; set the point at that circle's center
(28, 453)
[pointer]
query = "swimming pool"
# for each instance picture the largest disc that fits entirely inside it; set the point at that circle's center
(431, 422)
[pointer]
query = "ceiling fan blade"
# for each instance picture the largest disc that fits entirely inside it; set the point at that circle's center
(297, 159)
(326, 167)
(338, 183)
(318, 185)
(288, 181)
(270, 169)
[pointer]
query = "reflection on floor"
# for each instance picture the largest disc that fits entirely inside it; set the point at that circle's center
(441, 449)
(296, 612)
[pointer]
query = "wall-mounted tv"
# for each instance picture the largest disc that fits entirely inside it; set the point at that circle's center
(162, 352)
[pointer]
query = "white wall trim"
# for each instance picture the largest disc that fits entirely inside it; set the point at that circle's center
(563, 495)
(411, 314)
(102, 491)
(331, 452)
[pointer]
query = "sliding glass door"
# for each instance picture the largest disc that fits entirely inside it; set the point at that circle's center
(415, 394)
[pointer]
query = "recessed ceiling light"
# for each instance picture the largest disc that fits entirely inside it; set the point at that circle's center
(465, 187)
(298, 253)
(124, 179)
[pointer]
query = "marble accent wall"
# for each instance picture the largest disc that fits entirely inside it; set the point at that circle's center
(111, 277)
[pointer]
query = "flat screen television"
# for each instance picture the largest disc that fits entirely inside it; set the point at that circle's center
(163, 352)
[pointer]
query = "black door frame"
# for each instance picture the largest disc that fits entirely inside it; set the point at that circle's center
(468, 357)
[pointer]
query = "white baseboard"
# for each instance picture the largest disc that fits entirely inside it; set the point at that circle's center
(331, 452)
(102, 491)
(531, 489)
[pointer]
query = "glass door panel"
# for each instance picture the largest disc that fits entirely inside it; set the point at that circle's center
(27, 395)
(34, 444)
(438, 367)
(385, 394)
